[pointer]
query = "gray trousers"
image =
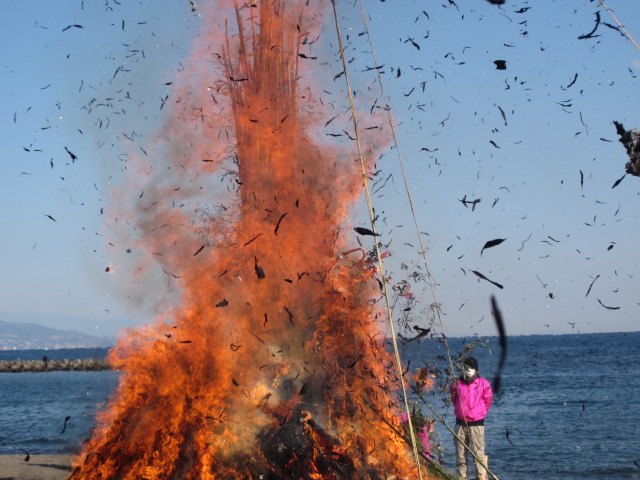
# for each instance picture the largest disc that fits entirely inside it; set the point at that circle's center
(473, 437)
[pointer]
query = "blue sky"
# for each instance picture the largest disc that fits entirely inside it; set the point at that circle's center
(561, 235)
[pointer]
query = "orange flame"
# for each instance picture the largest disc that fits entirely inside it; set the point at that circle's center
(424, 379)
(275, 366)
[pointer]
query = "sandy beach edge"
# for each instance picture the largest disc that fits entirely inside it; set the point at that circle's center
(39, 467)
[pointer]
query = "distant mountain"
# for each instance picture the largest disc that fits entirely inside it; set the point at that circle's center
(96, 327)
(27, 336)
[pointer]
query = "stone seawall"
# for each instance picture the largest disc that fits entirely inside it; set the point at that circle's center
(87, 365)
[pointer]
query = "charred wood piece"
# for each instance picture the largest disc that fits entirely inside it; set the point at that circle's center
(631, 141)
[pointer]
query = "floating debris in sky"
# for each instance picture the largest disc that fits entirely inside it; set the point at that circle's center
(500, 64)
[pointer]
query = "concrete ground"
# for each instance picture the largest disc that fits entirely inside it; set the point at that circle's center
(39, 467)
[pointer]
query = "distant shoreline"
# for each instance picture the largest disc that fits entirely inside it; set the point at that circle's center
(84, 365)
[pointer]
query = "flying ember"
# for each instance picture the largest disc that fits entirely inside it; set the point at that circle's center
(275, 365)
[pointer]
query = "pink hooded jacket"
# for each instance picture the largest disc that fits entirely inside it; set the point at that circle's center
(471, 402)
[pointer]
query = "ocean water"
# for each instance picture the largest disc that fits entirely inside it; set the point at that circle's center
(33, 408)
(60, 354)
(571, 404)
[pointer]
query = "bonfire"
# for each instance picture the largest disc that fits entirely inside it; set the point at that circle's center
(274, 364)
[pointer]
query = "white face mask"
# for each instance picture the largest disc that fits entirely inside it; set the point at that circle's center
(468, 372)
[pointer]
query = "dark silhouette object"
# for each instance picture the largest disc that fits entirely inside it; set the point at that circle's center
(500, 64)
(631, 141)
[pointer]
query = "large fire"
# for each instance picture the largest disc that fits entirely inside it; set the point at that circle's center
(276, 366)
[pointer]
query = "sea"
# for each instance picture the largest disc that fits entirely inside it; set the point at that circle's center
(568, 407)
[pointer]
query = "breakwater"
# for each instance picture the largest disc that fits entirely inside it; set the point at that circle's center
(45, 365)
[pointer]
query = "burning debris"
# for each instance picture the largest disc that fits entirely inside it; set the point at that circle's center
(307, 388)
(300, 448)
(631, 141)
